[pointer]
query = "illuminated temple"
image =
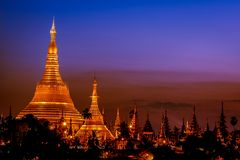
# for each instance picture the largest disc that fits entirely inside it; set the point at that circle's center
(96, 122)
(51, 96)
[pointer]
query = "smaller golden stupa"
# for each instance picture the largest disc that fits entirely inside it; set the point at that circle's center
(96, 122)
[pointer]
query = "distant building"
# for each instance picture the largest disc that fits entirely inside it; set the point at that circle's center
(162, 139)
(148, 132)
(134, 124)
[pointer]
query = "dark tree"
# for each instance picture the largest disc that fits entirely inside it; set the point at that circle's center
(124, 130)
(210, 143)
(222, 124)
(191, 148)
(194, 124)
(176, 133)
(207, 127)
(146, 143)
(233, 122)
(86, 114)
(93, 151)
(215, 129)
(183, 128)
(167, 130)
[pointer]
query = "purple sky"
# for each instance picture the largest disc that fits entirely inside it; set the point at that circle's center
(137, 35)
(163, 50)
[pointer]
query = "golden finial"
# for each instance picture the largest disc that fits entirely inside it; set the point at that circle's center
(53, 28)
(118, 111)
(53, 24)
(52, 46)
(94, 94)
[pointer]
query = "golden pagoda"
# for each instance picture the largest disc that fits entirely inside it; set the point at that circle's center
(133, 126)
(51, 96)
(117, 124)
(96, 122)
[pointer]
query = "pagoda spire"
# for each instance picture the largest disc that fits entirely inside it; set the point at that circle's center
(94, 104)
(94, 109)
(162, 136)
(52, 47)
(117, 120)
(161, 132)
(134, 123)
(188, 129)
(52, 73)
(117, 124)
(53, 31)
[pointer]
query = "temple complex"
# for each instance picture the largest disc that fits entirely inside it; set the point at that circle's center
(52, 97)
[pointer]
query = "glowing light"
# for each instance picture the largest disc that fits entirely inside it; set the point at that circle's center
(64, 123)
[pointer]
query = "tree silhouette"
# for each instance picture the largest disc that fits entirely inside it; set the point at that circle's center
(233, 122)
(124, 130)
(183, 128)
(194, 123)
(93, 151)
(86, 114)
(222, 124)
(176, 133)
(167, 130)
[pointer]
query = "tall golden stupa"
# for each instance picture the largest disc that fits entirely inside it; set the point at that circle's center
(96, 122)
(51, 96)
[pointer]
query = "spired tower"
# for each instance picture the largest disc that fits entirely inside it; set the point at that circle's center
(133, 126)
(96, 122)
(117, 124)
(51, 96)
(148, 132)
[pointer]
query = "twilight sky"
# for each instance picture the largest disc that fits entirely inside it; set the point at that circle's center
(180, 51)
